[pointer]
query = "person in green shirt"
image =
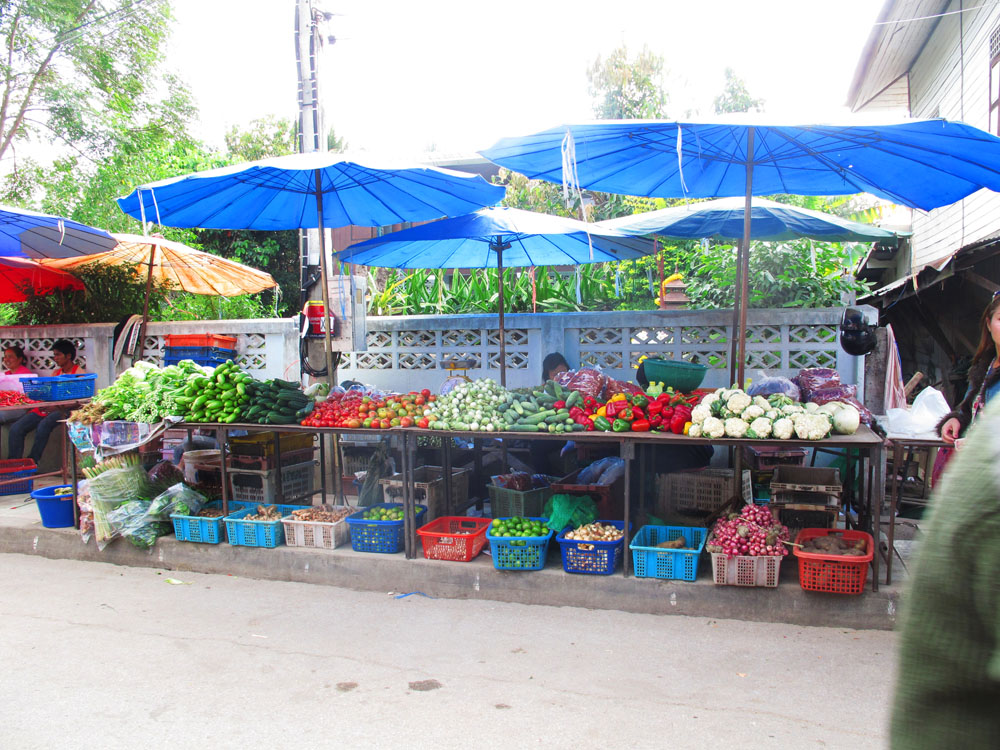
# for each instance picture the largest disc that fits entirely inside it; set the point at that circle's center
(948, 681)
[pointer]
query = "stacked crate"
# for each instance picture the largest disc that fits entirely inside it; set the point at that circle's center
(208, 349)
(806, 497)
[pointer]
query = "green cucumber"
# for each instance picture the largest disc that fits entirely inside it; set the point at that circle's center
(575, 398)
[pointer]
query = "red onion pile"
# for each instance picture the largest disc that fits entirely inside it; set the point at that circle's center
(753, 532)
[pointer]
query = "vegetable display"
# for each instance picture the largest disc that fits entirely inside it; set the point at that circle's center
(472, 406)
(274, 401)
(733, 413)
(596, 532)
(751, 532)
(518, 526)
(146, 393)
(14, 398)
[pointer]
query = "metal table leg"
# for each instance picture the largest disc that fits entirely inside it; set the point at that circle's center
(76, 505)
(223, 439)
(627, 452)
(322, 468)
(446, 468)
(897, 457)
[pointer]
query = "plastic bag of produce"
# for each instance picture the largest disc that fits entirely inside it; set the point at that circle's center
(131, 520)
(815, 378)
(614, 387)
(519, 480)
(570, 510)
(767, 385)
(164, 475)
(594, 473)
(588, 380)
(179, 499)
(86, 510)
(117, 480)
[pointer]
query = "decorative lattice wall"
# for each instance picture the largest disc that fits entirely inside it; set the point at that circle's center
(39, 351)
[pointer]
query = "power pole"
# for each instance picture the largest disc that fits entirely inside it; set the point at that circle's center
(312, 133)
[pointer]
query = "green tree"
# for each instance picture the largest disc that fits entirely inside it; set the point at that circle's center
(263, 138)
(735, 97)
(626, 88)
(72, 68)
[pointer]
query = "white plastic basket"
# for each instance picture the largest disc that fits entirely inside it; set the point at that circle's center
(318, 534)
(746, 570)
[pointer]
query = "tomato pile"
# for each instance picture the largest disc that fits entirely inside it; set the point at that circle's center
(353, 410)
(14, 398)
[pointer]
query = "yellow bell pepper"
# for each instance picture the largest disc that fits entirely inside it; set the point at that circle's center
(618, 397)
(602, 412)
(687, 426)
(593, 417)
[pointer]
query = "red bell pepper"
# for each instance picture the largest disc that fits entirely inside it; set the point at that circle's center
(628, 414)
(640, 425)
(590, 403)
(559, 405)
(576, 412)
(614, 408)
(655, 420)
(655, 407)
(681, 415)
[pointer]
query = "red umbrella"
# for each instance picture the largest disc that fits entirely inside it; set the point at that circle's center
(16, 272)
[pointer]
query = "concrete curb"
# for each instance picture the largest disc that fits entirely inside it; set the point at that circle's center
(343, 567)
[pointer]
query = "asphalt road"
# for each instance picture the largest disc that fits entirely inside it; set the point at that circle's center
(95, 655)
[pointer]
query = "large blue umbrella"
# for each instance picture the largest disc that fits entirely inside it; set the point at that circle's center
(306, 191)
(920, 163)
(28, 234)
(723, 219)
(494, 238)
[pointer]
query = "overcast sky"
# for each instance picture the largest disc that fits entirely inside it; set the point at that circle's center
(456, 75)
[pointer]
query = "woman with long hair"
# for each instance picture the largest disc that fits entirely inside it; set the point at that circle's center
(984, 376)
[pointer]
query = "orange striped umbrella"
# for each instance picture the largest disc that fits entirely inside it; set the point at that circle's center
(177, 266)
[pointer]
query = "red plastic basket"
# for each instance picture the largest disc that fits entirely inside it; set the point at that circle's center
(456, 538)
(201, 339)
(834, 574)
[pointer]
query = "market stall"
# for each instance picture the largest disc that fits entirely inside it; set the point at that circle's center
(277, 415)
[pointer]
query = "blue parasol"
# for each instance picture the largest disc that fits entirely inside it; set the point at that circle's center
(494, 238)
(28, 234)
(769, 222)
(921, 163)
(310, 191)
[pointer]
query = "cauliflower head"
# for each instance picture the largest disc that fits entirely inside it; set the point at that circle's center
(782, 428)
(713, 427)
(735, 427)
(812, 427)
(761, 402)
(737, 402)
(760, 428)
(700, 413)
(695, 429)
(751, 413)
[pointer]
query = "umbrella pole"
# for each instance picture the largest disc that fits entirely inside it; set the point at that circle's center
(503, 344)
(324, 280)
(744, 263)
(330, 375)
(145, 303)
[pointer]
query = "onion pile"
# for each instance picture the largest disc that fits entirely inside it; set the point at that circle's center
(753, 532)
(596, 532)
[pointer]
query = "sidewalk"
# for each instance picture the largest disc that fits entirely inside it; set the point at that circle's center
(21, 532)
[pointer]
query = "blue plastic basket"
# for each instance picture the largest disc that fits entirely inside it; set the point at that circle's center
(204, 361)
(379, 536)
(650, 561)
(56, 510)
(198, 352)
(60, 387)
(519, 552)
(257, 533)
(199, 529)
(593, 558)
(14, 468)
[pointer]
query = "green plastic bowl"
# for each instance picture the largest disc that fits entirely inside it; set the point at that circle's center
(677, 374)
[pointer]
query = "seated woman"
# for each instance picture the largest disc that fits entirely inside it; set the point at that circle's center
(14, 363)
(43, 421)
